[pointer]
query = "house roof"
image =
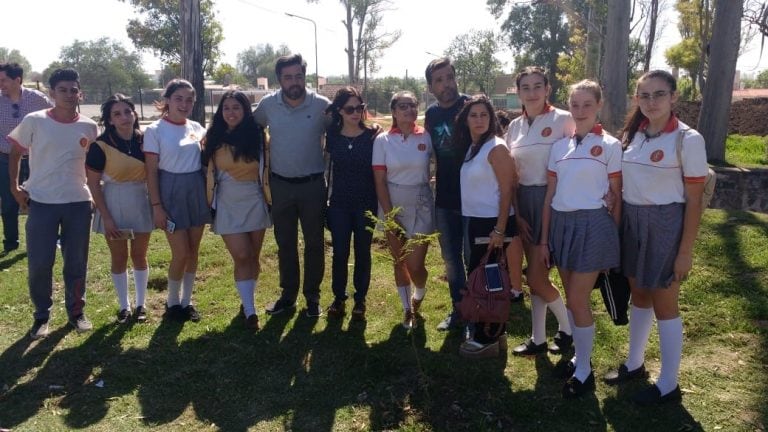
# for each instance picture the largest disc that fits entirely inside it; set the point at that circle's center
(504, 84)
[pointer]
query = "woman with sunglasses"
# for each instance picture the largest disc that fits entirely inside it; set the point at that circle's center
(349, 144)
(661, 213)
(232, 150)
(401, 174)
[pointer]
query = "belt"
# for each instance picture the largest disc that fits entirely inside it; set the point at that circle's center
(298, 180)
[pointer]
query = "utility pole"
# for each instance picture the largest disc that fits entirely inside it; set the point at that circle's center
(192, 54)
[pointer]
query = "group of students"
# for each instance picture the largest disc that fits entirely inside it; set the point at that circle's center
(553, 188)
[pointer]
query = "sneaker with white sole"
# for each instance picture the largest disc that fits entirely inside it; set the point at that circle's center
(81, 323)
(39, 329)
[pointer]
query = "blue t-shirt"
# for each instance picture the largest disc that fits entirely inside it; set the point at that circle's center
(352, 186)
(440, 122)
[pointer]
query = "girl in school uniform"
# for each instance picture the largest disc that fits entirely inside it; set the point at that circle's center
(401, 176)
(576, 227)
(177, 191)
(530, 138)
(233, 147)
(662, 210)
(117, 180)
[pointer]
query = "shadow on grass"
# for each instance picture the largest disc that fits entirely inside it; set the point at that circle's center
(9, 259)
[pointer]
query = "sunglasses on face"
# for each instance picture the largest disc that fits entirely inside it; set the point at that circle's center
(16, 112)
(349, 109)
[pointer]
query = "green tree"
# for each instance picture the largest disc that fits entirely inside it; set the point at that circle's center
(538, 30)
(761, 80)
(380, 91)
(226, 74)
(157, 30)
(473, 57)
(14, 56)
(105, 66)
(259, 61)
(695, 26)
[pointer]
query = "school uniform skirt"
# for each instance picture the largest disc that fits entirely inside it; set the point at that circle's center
(183, 198)
(530, 201)
(128, 204)
(417, 208)
(650, 239)
(584, 241)
(240, 207)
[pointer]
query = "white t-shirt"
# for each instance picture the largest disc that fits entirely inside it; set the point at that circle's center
(530, 145)
(56, 156)
(177, 145)
(406, 161)
(652, 172)
(583, 170)
(479, 186)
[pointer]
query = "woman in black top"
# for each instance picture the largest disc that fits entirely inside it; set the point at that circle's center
(349, 143)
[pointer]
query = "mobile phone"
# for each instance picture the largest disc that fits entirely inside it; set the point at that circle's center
(125, 234)
(493, 278)
(170, 226)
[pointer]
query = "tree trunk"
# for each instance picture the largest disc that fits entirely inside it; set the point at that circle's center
(192, 54)
(350, 42)
(614, 70)
(724, 51)
(651, 39)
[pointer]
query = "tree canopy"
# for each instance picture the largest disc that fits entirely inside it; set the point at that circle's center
(157, 30)
(473, 56)
(259, 61)
(105, 66)
(14, 56)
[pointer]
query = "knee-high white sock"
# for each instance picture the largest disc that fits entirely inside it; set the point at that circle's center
(583, 339)
(418, 293)
(640, 323)
(558, 309)
(573, 325)
(120, 280)
(246, 289)
(405, 296)
(538, 320)
(140, 280)
(187, 283)
(174, 288)
(671, 347)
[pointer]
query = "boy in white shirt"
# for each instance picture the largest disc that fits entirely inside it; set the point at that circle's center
(57, 197)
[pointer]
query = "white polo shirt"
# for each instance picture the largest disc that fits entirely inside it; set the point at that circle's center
(177, 145)
(56, 156)
(583, 169)
(480, 190)
(530, 145)
(406, 160)
(653, 175)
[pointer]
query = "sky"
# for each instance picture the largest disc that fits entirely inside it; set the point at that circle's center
(42, 27)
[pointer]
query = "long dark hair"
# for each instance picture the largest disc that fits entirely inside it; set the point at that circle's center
(246, 139)
(462, 138)
(170, 89)
(110, 131)
(635, 117)
(343, 95)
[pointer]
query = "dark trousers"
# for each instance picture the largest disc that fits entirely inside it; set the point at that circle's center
(10, 208)
(294, 203)
(343, 224)
(481, 227)
(42, 230)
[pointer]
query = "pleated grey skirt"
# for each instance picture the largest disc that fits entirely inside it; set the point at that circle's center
(240, 207)
(650, 239)
(183, 198)
(128, 204)
(530, 201)
(584, 240)
(417, 208)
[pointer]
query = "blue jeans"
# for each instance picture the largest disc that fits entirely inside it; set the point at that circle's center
(343, 224)
(454, 248)
(10, 208)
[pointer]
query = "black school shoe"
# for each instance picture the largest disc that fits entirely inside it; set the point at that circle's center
(574, 388)
(561, 343)
(529, 348)
(652, 396)
(621, 375)
(191, 314)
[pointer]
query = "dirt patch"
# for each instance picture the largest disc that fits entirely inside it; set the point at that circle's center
(747, 116)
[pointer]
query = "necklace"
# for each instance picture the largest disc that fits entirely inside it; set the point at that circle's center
(127, 143)
(350, 141)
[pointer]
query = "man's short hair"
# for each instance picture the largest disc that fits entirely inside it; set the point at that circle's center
(63, 75)
(12, 70)
(289, 60)
(437, 64)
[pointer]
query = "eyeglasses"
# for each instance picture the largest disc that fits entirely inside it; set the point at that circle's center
(645, 97)
(402, 106)
(349, 109)
(16, 111)
(65, 90)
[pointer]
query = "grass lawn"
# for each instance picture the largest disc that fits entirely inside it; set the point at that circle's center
(747, 151)
(305, 374)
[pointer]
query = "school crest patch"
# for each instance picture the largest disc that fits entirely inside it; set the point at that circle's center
(596, 151)
(83, 142)
(422, 147)
(547, 131)
(657, 156)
